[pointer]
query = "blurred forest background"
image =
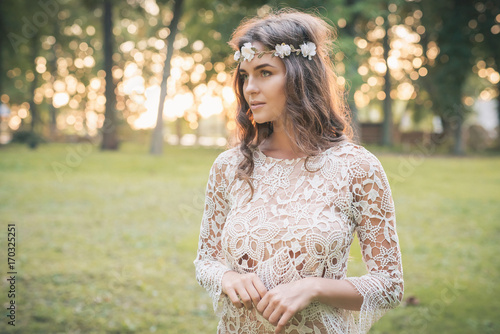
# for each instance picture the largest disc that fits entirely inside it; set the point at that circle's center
(106, 232)
(415, 72)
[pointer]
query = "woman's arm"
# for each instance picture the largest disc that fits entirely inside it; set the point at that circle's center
(211, 271)
(280, 304)
(335, 293)
(209, 263)
(375, 220)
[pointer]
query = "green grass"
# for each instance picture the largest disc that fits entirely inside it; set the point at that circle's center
(106, 240)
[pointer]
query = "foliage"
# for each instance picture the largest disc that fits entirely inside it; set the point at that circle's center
(27, 137)
(451, 28)
(66, 82)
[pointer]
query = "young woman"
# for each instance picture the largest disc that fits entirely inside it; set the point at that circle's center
(282, 208)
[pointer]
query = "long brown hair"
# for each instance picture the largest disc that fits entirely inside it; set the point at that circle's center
(315, 110)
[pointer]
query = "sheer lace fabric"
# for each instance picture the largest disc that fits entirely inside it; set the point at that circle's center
(299, 223)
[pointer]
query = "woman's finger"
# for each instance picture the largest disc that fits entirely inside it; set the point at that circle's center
(262, 305)
(245, 298)
(259, 286)
(283, 321)
(268, 308)
(254, 295)
(234, 298)
(275, 316)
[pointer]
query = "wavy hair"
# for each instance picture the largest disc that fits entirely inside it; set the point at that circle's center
(315, 110)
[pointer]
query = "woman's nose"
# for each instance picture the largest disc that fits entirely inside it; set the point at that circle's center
(251, 86)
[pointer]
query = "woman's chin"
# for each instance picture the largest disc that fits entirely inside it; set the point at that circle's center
(259, 120)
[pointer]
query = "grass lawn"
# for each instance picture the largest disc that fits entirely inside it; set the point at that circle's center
(105, 241)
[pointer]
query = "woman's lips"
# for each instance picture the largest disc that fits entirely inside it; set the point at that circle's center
(257, 105)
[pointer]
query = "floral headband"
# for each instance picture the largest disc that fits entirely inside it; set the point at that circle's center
(248, 51)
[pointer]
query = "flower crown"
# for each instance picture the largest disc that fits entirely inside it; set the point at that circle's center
(248, 51)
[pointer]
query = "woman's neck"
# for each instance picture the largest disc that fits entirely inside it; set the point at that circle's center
(280, 145)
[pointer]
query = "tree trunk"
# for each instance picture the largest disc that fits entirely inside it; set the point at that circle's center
(1, 66)
(157, 139)
(109, 128)
(3, 40)
(497, 145)
(498, 105)
(457, 121)
(350, 30)
(33, 141)
(387, 125)
(197, 133)
(178, 130)
(53, 63)
(458, 147)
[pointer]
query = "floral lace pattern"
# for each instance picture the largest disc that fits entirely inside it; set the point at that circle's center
(301, 223)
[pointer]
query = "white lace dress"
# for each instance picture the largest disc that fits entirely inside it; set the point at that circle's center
(300, 224)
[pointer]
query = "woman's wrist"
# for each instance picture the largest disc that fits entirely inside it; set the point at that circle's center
(312, 286)
(336, 293)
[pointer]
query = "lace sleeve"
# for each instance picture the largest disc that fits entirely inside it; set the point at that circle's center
(374, 215)
(209, 263)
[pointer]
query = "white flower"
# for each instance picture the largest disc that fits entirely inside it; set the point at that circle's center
(308, 50)
(237, 55)
(247, 51)
(282, 50)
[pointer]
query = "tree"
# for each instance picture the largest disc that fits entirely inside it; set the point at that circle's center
(53, 69)
(35, 116)
(351, 68)
(157, 139)
(205, 21)
(486, 22)
(367, 28)
(109, 130)
(448, 63)
(3, 44)
(26, 24)
(387, 124)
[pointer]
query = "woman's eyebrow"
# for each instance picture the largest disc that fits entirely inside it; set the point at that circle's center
(258, 67)
(263, 65)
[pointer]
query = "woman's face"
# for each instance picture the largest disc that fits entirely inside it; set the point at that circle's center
(264, 86)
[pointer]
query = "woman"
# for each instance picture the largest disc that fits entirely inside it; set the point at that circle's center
(282, 208)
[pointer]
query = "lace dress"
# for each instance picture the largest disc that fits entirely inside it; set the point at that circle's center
(300, 223)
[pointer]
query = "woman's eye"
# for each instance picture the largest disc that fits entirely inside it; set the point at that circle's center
(244, 77)
(266, 73)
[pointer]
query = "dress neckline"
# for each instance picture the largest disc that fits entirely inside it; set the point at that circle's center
(267, 157)
(291, 160)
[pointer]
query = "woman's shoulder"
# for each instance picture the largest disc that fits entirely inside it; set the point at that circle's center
(229, 157)
(350, 151)
(355, 157)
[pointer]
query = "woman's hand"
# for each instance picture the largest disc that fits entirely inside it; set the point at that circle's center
(280, 304)
(245, 287)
